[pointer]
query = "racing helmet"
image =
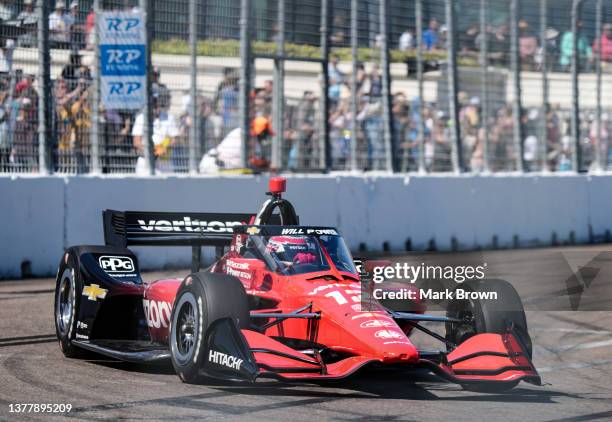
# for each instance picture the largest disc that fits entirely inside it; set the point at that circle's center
(292, 249)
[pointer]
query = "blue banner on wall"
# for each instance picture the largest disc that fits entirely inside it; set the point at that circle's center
(123, 65)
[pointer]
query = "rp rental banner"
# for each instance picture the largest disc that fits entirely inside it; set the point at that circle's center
(122, 50)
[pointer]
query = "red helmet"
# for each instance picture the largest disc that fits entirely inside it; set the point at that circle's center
(295, 249)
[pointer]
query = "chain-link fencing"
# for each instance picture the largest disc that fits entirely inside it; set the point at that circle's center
(187, 86)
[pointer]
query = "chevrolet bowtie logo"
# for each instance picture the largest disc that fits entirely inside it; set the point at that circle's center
(94, 292)
(253, 230)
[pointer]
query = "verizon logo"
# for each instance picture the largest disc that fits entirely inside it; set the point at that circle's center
(188, 225)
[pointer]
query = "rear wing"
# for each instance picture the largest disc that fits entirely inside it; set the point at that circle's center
(140, 228)
(145, 228)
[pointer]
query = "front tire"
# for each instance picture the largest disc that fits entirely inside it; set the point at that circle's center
(202, 299)
(489, 316)
(68, 286)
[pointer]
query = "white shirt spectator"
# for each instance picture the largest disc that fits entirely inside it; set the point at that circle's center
(406, 41)
(164, 127)
(6, 13)
(530, 149)
(59, 26)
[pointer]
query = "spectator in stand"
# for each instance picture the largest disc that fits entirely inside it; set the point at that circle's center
(88, 28)
(165, 131)
(27, 16)
(528, 45)
(29, 19)
(406, 41)
(301, 153)
(333, 72)
(340, 133)
(160, 90)
(59, 25)
(6, 11)
(338, 36)
(226, 100)
(431, 35)
(468, 40)
(267, 94)
(77, 27)
(585, 54)
(7, 47)
(606, 46)
(499, 46)
(71, 70)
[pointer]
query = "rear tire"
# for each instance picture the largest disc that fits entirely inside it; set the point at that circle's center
(68, 287)
(202, 299)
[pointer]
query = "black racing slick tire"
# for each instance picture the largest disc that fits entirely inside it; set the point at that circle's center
(202, 299)
(489, 316)
(68, 287)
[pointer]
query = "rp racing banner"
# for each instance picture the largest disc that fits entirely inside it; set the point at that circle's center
(122, 60)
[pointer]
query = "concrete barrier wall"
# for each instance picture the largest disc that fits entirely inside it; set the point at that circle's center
(43, 215)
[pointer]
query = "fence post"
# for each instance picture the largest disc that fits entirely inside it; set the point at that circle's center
(245, 78)
(420, 88)
(598, 18)
(193, 87)
(386, 87)
(484, 83)
(575, 127)
(95, 106)
(278, 103)
(354, 105)
(517, 107)
(324, 147)
(453, 106)
(147, 7)
(544, 63)
(44, 83)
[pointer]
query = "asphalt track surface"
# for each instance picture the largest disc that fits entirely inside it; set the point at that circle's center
(573, 351)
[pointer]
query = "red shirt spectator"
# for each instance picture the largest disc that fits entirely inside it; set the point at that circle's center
(606, 43)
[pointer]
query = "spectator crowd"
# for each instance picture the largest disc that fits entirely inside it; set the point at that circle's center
(218, 139)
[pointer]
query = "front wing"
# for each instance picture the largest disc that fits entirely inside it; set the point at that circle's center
(483, 358)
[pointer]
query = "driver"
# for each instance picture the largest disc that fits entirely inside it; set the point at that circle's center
(292, 250)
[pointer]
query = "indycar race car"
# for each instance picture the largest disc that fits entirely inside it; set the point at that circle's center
(281, 301)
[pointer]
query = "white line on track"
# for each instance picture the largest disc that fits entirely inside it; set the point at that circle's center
(577, 365)
(571, 330)
(582, 346)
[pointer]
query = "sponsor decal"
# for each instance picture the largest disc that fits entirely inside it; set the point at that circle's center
(237, 269)
(81, 325)
(188, 225)
(116, 265)
(81, 336)
(300, 230)
(370, 315)
(158, 313)
(94, 292)
(396, 342)
(320, 289)
(223, 359)
(376, 323)
(253, 230)
(388, 334)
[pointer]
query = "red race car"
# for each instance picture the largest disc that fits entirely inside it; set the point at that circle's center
(282, 300)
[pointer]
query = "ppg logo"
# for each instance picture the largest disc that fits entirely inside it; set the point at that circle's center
(122, 24)
(116, 264)
(123, 56)
(124, 88)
